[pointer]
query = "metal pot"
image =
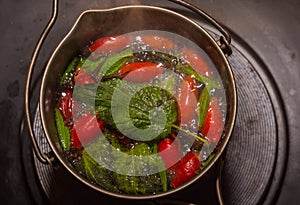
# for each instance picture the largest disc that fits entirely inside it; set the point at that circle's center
(87, 27)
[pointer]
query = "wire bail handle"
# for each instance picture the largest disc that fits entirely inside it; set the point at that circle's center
(43, 158)
(225, 40)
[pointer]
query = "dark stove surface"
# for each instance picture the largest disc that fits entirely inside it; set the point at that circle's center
(271, 28)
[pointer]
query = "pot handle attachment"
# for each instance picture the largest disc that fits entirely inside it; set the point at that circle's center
(43, 158)
(225, 40)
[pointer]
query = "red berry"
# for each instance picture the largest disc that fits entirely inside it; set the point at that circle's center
(187, 169)
(86, 129)
(170, 152)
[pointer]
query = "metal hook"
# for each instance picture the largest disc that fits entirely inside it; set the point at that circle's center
(43, 159)
(225, 40)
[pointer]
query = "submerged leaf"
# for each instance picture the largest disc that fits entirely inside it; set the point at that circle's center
(143, 113)
(161, 166)
(203, 105)
(137, 163)
(208, 82)
(69, 73)
(140, 112)
(98, 174)
(105, 162)
(91, 65)
(63, 131)
(114, 62)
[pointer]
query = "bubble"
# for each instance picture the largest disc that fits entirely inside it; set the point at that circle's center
(156, 81)
(174, 61)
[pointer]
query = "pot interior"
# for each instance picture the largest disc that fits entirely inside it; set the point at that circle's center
(119, 21)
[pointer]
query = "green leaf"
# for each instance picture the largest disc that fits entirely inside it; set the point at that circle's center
(90, 65)
(70, 71)
(63, 131)
(97, 173)
(97, 163)
(203, 104)
(137, 165)
(114, 62)
(143, 112)
(210, 158)
(118, 65)
(208, 82)
(161, 166)
(139, 111)
(107, 152)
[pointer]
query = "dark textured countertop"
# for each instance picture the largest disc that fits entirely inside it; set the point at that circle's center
(271, 28)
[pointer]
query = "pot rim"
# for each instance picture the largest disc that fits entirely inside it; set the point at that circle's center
(224, 140)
